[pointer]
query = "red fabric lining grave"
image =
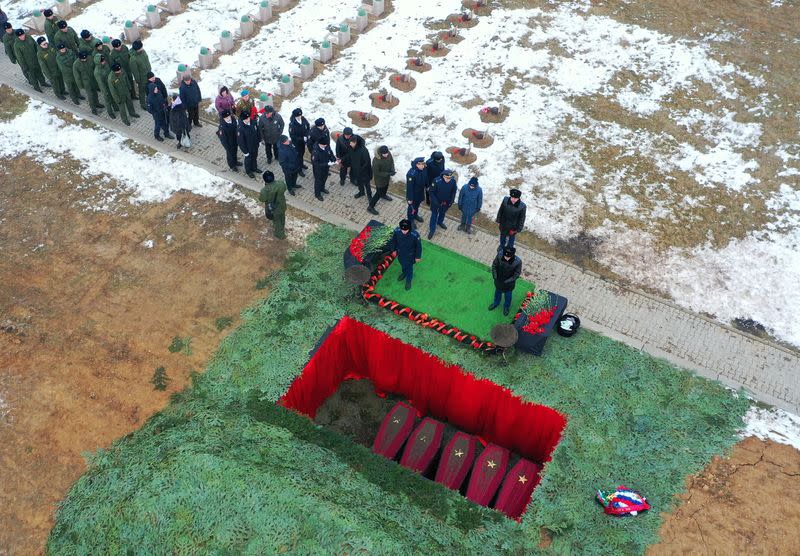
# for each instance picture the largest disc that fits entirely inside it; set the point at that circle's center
(434, 388)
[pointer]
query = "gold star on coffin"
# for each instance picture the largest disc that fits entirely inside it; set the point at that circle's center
(523, 479)
(395, 420)
(491, 463)
(423, 438)
(458, 453)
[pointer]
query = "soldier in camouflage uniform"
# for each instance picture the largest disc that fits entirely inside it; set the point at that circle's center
(121, 92)
(83, 70)
(65, 60)
(67, 36)
(49, 66)
(140, 67)
(25, 51)
(101, 72)
(121, 55)
(8, 41)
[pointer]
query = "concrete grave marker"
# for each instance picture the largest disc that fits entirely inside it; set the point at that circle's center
(205, 58)
(264, 11)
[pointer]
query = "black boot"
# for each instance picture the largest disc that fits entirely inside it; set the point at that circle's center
(371, 210)
(419, 218)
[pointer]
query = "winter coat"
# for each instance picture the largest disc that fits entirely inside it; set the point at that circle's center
(443, 193)
(69, 37)
(66, 62)
(83, 70)
(382, 170)
(50, 29)
(8, 45)
(505, 273)
(87, 46)
(470, 200)
(408, 246)
(48, 63)
(298, 131)
(416, 182)
(288, 158)
(359, 162)
(342, 147)
(178, 120)
(274, 193)
(244, 106)
(3, 18)
(511, 216)
(248, 138)
(140, 66)
(119, 86)
(224, 103)
(315, 134)
(123, 58)
(190, 94)
(270, 129)
(227, 133)
(434, 168)
(25, 51)
(157, 102)
(100, 73)
(320, 157)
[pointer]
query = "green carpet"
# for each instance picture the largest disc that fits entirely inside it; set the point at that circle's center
(453, 289)
(222, 470)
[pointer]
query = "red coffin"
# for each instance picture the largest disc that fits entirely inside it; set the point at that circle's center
(487, 474)
(517, 489)
(394, 430)
(456, 460)
(423, 445)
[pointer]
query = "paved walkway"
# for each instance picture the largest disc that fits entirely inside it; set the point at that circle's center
(769, 372)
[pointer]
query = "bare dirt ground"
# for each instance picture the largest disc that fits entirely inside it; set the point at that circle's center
(89, 309)
(748, 503)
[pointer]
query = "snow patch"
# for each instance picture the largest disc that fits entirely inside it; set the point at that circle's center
(149, 178)
(772, 424)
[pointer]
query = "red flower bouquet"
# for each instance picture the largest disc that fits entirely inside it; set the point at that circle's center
(357, 244)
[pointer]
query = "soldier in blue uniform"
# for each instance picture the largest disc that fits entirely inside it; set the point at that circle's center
(407, 247)
(416, 186)
(443, 194)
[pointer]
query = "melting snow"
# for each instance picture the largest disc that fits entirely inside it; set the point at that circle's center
(772, 424)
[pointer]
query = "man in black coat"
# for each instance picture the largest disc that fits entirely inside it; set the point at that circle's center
(191, 97)
(510, 218)
(506, 269)
(318, 131)
(443, 194)
(361, 169)
(342, 148)
(321, 157)
(249, 140)
(270, 126)
(407, 247)
(157, 106)
(298, 133)
(434, 166)
(290, 163)
(153, 81)
(226, 131)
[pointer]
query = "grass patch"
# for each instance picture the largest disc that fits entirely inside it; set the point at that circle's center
(435, 278)
(223, 322)
(222, 470)
(160, 379)
(181, 345)
(12, 103)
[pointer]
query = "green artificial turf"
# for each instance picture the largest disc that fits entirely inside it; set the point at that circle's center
(222, 470)
(453, 289)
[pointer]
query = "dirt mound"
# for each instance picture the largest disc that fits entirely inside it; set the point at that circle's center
(748, 503)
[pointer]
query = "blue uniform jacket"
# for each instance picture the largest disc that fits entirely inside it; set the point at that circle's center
(288, 158)
(443, 192)
(408, 246)
(434, 169)
(416, 182)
